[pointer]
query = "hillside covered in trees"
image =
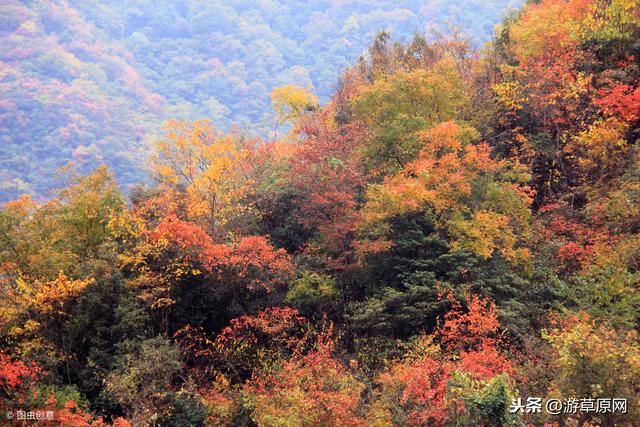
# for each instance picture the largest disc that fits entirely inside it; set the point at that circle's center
(452, 233)
(92, 81)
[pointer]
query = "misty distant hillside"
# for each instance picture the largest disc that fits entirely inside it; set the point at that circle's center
(92, 81)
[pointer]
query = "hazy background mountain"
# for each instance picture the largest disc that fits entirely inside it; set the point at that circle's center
(92, 81)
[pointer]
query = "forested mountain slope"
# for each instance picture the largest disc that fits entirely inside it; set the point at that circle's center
(452, 237)
(92, 81)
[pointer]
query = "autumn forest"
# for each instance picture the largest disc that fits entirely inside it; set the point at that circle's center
(450, 232)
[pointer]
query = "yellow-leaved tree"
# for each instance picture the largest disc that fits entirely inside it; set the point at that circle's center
(210, 167)
(292, 102)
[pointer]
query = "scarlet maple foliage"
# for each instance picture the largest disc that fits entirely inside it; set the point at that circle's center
(255, 261)
(222, 407)
(251, 261)
(277, 323)
(327, 174)
(621, 100)
(72, 415)
(154, 209)
(574, 239)
(199, 353)
(19, 377)
(185, 234)
(545, 44)
(251, 343)
(471, 350)
(15, 374)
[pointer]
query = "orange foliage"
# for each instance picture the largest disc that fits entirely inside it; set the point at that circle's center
(454, 180)
(251, 260)
(441, 175)
(71, 415)
(471, 343)
(473, 329)
(548, 28)
(313, 389)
